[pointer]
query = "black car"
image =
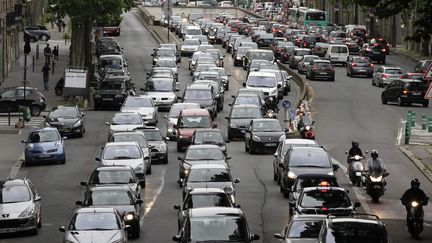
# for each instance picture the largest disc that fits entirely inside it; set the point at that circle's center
(157, 143)
(263, 134)
(302, 227)
(13, 97)
(405, 92)
(112, 92)
(210, 136)
(202, 94)
(68, 120)
(30, 37)
(118, 197)
(239, 119)
(375, 52)
(311, 180)
(215, 224)
(304, 160)
(264, 41)
(39, 30)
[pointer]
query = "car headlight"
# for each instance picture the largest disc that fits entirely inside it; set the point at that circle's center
(256, 138)
(47, 124)
(97, 96)
(170, 130)
(29, 147)
(128, 217)
(27, 212)
(163, 147)
(291, 175)
(119, 96)
(233, 125)
(139, 168)
(182, 49)
(414, 204)
(229, 189)
(238, 58)
(77, 124)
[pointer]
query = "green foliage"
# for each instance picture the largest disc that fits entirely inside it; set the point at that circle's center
(385, 8)
(423, 22)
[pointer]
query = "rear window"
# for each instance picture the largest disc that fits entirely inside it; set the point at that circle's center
(324, 65)
(393, 71)
(339, 49)
(361, 60)
(415, 86)
(303, 52)
(343, 232)
(305, 229)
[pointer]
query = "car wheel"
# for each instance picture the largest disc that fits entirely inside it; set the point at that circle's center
(425, 104)
(251, 149)
(246, 147)
(44, 37)
(59, 92)
(275, 177)
(39, 225)
(380, 84)
(307, 75)
(35, 110)
(143, 183)
(348, 74)
(311, 77)
(35, 231)
(136, 233)
(332, 79)
(399, 101)
(227, 86)
(149, 170)
(383, 100)
(383, 61)
(179, 148)
(81, 133)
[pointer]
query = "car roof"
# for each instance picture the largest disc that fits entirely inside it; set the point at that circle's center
(120, 143)
(44, 129)
(203, 146)
(194, 112)
(299, 141)
(200, 190)
(244, 106)
(113, 167)
(109, 188)
(391, 67)
(126, 114)
(309, 149)
(209, 166)
(208, 130)
(13, 182)
(214, 211)
(95, 210)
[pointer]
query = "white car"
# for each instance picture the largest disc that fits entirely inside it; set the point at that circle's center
(124, 121)
(265, 81)
(162, 90)
(169, 63)
(143, 105)
(124, 153)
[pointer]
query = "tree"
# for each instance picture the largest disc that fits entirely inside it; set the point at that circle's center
(422, 26)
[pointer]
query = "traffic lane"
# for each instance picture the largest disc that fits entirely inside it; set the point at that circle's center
(400, 60)
(399, 232)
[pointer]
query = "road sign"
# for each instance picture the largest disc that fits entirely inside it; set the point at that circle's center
(428, 73)
(428, 94)
(286, 104)
(291, 114)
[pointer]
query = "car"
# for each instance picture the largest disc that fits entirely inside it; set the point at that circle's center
(202, 94)
(173, 116)
(112, 92)
(254, 65)
(20, 206)
(68, 119)
(374, 51)
(144, 105)
(205, 47)
(162, 72)
(217, 56)
(266, 81)
(124, 153)
(213, 224)
(118, 197)
(239, 120)
(203, 197)
(210, 136)
(157, 144)
(190, 31)
(12, 98)
(405, 92)
(174, 47)
(169, 63)
(139, 137)
(32, 38)
(200, 67)
(213, 79)
(337, 54)
(416, 76)
(202, 38)
(385, 75)
(320, 69)
(162, 90)
(282, 149)
(114, 175)
(297, 55)
(283, 79)
(382, 43)
(98, 224)
(40, 31)
(279, 46)
(320, 49)
(224, 76)
(307, 41)
(106, 61)
(263, 134)
(258, 92)
(163, 53)
(354, 44)
(239, 54)
(44, 145)
(124, 121)
(286, 52)
(302, 228)
(200, 154)
(337, 37)
(422, 66)
(255, 54)
(304, 62)
(304, 160)
(359, 65)
(249, 99)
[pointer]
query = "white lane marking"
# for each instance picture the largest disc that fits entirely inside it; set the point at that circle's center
(427, 225)
(16, 167)
(400, 133)
(150, 205)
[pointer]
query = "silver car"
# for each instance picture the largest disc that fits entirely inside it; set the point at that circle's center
(124, 121)
(162, 90)
(173, 116)
(143, 105)
(96, 225)
(168, 62)
(305, 61)
(385, 75)
(189, 46)
(20, 206)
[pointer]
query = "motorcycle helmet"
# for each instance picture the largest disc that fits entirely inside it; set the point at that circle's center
(355, 144)
(374, 154)
(415, 182)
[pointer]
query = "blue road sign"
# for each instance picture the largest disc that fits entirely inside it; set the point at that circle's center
(291, 113)
(286, 104)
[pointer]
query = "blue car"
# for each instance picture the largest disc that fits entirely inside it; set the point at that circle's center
(44, 145)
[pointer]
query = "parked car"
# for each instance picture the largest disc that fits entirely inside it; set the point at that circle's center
(13, 97)
(405, 92)
(38, 30)
(113, 92)
(44, 145)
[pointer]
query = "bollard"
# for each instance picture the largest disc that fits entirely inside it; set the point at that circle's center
(413, 119)
(423, 121)
(430, 124)
(37, 52)
(33, 58)
(407, 133)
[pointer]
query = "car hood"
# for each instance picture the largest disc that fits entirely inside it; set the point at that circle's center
(130, 162)
(221, 185)
(62, 121)
(14, 209)
(140, 110)
(44, 146)
(301, 240)
(200, 162)
(311, 170)
(109, 91)
(240, 121)
(120, 208)
(94, 236)
(123, 128)
(189, 46)
(270, 136)
(156, 94)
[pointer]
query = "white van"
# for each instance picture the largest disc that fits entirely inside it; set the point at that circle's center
(264, 81)
(192, 30)
(337, 53)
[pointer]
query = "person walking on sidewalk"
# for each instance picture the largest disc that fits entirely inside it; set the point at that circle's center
(46, 71)
(47, 53)
(55, 53)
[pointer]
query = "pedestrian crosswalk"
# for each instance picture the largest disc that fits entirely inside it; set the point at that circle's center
(36, 121)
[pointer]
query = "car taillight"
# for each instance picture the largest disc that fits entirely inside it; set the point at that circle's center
(405, 91)
(314, 68)
(353, 64)
(278, 49)
(304, 44)
(368, 49)
(371, 65)
(375, 44)
(383, 50)
(384, 76)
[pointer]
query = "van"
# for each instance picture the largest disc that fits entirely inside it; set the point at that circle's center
(337, 54)
(192, 30)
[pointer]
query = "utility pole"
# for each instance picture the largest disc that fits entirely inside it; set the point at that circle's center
(356, 13)
(27, 50)
(169, 15)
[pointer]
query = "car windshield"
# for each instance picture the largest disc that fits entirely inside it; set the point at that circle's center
(242, 51)
(267, 126)
(193, 32)
(194, 122)
(361, 60)
(112, 177)
(108, 197)
(138, 102)
(247, 100)
(227, 228)
(244, 113)
(126, 120)
(204, 154)
(257, 63)
(308, 59)
(303, 229)
(63, 112)
(111, 61)
(130, 137)
(208, 175)
(14, 194)
(261, 55)
(160, 85)
(261, 81)
(120, 152)
(356, 232)
(191, 42)
(325, 198)
(166, 63)
(339, 49)
(324, 65)
(117, 85)
(313, 182)
(303, 52)
(394, 71)
(307, 158)
(198, 94)
(206, 200)
(165, 53)
(44, 136)
(94, 221)
(208, 138)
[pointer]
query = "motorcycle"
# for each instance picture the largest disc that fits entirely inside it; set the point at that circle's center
(306, 131)
(355, 169)
(415, 218)
(59, 87)
(270, 114)
(375, 184)
(271, 103)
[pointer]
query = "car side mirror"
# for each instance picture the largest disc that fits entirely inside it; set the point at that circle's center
(275, 155)
(142, 89)
(177, 207)
(385, 174)
(146, 157)
(254, 237)
(23, 141)
(165, 117)
(79, 203)
(180, 182)
(236, 180)
(228, 157)
(44, 116)
(335, 167)
(292, 204)
(279, 236)
(279, 86)
(180, 158)
(175, 126)
(97, 159)
(107, 123)
(62, 229)
(176, 238)
(37, 199)
(244, 84)
(82, 113)
(83, 183)
(139, 201)
(227, 141)
(214, 125)
(357, 204)
(281, 166)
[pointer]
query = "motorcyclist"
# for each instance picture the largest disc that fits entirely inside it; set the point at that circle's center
(355, 149)
(375, 164)
(413, 194)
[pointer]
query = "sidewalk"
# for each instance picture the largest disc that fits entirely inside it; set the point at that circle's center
(401, 50)
(34, 77)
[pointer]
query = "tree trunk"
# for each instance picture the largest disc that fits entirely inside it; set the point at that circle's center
(372, 27)
(425, 46)
(77, 44)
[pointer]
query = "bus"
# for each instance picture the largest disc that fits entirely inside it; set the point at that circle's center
(303, 17)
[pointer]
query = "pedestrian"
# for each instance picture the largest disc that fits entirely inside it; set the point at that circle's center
(63, 25)
(46, 70)
(55, 53)
(59, 25)
(47, 53)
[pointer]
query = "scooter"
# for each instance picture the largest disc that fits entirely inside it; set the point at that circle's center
(355, 169)
(307, 131)
(375, 184)
(270, 114)
(415, 218)
(59, 87)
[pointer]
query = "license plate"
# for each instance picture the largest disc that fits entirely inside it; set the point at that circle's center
(375, 52)
(358, 173)
(322, 73)
(243, 131)
(416, 93)
(270, 144)
(42, 156)
(362, 70)
(7, 230)
(108, 99)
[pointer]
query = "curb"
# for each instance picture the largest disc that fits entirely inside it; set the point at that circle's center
(150, 30)
(416, 59)
(420, 165)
